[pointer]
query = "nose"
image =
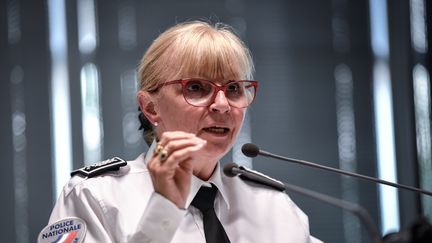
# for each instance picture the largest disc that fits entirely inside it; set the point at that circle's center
(220, 103)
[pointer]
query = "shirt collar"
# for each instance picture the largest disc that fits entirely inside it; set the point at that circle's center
(196, 183)
(215, 179)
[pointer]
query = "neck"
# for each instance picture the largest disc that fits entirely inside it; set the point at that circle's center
(205, 172)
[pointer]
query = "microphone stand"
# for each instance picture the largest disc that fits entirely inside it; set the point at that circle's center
(364, 177)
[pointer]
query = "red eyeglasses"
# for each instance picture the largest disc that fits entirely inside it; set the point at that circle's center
(200, 92)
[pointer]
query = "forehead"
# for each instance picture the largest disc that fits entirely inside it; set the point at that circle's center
(215, 68)
(213, 58)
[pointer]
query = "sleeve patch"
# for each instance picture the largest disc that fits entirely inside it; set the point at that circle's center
(66, 230)
(100, 168)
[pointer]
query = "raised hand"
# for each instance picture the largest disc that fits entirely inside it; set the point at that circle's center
(171, 169)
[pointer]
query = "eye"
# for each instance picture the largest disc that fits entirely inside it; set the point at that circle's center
(194, 86)
(198, 89)
(234, 88)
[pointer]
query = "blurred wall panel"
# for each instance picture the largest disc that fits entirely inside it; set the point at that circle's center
(35, 58)
(7, 227)
(404, 108)
(26, 168)
(295, 113)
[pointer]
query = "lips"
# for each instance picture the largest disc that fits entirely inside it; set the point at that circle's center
(217, 130)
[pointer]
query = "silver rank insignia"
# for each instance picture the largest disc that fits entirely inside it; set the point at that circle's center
(100, 168)
(67, 230)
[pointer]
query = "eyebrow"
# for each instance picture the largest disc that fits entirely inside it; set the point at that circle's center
(217, 81)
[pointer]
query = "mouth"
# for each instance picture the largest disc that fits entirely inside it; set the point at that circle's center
(215, 130)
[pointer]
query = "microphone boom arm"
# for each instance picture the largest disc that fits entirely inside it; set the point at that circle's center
(364, 177)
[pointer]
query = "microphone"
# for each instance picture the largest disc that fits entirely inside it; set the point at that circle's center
(251, 150)
(232, 170)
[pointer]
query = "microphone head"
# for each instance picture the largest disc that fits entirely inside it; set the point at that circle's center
(228, 169)
(250, 150)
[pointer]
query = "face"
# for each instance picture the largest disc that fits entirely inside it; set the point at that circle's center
(218, 123)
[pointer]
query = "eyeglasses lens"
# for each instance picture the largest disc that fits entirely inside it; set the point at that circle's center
(201, 92)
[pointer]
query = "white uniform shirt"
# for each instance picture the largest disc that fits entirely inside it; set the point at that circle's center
(122, 206)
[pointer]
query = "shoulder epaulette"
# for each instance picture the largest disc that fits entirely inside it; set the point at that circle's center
(100, 168)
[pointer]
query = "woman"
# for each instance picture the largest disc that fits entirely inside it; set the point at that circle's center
(195, 85)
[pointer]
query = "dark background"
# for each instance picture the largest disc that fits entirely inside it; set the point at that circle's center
(299, 49)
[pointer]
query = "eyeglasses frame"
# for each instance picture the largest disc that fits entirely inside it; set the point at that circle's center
(217, 87)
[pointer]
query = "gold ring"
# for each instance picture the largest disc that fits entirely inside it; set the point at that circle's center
(158, 149)
(163, 155)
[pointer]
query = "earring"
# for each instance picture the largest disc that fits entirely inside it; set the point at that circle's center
(155, 124)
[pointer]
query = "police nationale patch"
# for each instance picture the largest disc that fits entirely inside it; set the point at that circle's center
(67, 230)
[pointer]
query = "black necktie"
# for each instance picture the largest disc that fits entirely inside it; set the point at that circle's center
(204, 201)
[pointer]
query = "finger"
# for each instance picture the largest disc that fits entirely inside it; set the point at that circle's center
(178, 151)
(184, 173)
(174, 135)
(163, 150)
(178, 156)
(174, 145)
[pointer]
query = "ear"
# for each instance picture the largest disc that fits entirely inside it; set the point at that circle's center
(147, 104)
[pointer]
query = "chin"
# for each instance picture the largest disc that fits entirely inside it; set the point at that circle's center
(217, 150)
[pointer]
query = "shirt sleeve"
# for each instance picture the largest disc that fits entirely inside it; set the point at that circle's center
(303, 218)
(82, 204)
(160, 221)
(315, 240)
(158, 224)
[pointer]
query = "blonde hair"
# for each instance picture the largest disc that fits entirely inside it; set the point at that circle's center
(193, 49)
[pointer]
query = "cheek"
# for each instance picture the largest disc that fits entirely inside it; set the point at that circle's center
(239, 117)
(189, 120)
(181, 117)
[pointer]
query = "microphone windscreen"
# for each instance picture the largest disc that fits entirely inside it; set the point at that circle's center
(250, 150)
(228, 169)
